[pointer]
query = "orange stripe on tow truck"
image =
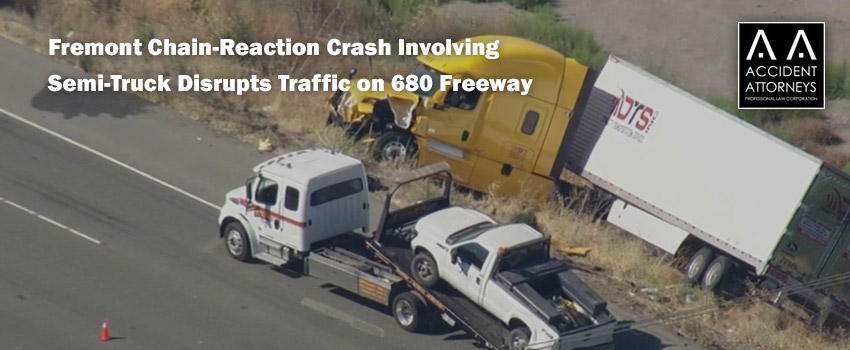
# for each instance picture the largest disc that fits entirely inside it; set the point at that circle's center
(264, 213)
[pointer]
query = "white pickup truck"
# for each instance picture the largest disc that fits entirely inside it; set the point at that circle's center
(506, 270)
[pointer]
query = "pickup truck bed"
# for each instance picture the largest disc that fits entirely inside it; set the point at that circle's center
(479, 323)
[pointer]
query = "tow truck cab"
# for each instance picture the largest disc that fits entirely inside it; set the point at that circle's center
(292, 202)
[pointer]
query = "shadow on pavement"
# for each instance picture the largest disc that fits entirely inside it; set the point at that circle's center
(90, 104)
(638, 340)
(294, 270)
(435, 325)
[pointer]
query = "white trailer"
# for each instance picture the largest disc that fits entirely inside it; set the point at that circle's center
(684, 168)
(691, 178)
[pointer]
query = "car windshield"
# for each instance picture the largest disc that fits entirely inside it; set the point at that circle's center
(523, 257)
(469, 232)
(435, 81)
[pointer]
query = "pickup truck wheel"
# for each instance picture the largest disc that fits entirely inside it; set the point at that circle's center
(518, 338)
(424, 270)
(697, 264)
(715, 272)
(408, 311)
(236, 241)
(393, 145)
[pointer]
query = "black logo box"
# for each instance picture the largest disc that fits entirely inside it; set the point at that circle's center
(781, 37)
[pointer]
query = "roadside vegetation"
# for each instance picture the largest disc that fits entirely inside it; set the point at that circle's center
(626, 270)
(521, 4)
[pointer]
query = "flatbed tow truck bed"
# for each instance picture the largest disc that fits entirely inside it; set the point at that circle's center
(345, 265)
(475, 320)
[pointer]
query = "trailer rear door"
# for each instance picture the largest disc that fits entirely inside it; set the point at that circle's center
(816, 244)
(816, 228)
(840, 292)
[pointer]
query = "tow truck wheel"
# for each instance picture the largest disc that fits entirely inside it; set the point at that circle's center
(393, 145)
(697, 264)
(518, 338)
(408, 311)
(715, 272)
(236, 241)
(424, 270)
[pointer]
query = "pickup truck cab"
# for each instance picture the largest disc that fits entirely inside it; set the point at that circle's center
(507, 271)
(292, 202)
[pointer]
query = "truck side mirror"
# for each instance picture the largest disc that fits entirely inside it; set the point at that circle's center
(249, 189)
(453, 256)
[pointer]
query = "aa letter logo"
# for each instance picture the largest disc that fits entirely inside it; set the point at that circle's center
(781, 65)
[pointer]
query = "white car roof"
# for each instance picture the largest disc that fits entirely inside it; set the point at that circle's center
(441, 224)
(303, 166)
(446, 222)
(507, 236)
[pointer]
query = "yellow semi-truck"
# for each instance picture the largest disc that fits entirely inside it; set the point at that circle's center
(495, 142)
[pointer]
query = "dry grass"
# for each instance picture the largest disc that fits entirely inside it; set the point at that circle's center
(816, 137)
(811, 130)
(296, 120)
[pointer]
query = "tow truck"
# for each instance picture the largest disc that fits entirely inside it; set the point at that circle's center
(312, 207)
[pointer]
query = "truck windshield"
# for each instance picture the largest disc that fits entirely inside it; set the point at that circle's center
(469, 232)
(435, 81)
(531, 255)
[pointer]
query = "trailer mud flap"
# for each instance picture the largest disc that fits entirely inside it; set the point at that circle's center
(592, 112)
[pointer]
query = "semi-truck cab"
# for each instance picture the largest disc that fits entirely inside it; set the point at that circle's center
(501, 142)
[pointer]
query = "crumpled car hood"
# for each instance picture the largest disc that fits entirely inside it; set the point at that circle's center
(402, 103)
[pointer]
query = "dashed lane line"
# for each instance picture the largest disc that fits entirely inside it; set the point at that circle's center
(50, 221)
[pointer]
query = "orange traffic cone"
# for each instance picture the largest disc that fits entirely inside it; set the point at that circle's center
(104, 331)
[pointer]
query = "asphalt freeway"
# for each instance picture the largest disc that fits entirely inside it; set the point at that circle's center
(108, 210)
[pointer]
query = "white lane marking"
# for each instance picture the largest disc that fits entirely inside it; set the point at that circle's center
(110, 159)
(54, 222)
(51, 221)
(24, 209)
(352, 321)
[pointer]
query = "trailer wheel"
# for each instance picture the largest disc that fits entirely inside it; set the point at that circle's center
(716, 272)
(236, 241)
(697, 264)
(393, 145)
(518, 338)
(409, 311)
(424, 269)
